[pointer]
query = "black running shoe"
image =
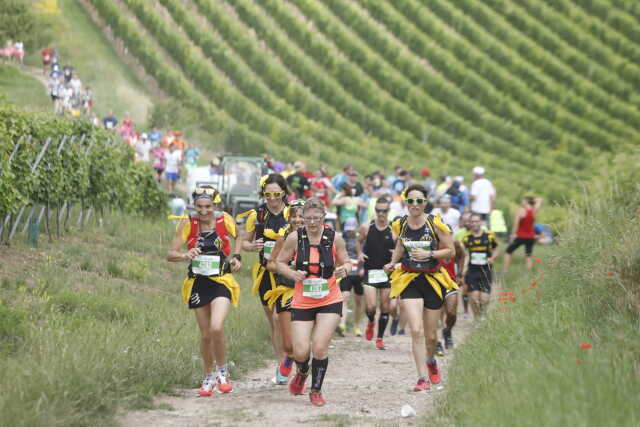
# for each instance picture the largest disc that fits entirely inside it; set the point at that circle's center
(448, 339)
(439, 349)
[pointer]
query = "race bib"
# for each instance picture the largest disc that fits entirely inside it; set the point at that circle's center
(206, 265)
(478, 258)
(315, 288)
(377, 276)
(268, 248)
(411, 244)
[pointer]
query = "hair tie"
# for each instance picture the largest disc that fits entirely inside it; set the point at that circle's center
(263, 181)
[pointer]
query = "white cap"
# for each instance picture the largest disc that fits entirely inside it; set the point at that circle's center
(350, 224)
(478, 170)
(459, 179)
(144, 136)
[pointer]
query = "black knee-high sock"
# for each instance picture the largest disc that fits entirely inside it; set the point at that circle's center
(303, 367)
(465, 302)
(382, 324)
(318, 369)
(371, 316)
(450, 321)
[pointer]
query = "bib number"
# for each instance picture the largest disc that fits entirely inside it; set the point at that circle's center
(268, 248)
(315, 288)
(377, 276)
(412, 244)
(206, 265)
(478, 258)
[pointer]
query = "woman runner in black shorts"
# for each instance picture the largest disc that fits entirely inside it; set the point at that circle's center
(282, 295)
(421, 282)
(210, 288)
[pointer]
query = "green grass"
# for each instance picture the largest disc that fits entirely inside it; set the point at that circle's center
(23, 90)
(525, 365)
(82, 44)
(94, 322)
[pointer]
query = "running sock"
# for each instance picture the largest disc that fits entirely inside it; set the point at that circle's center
(371, 316)
(303, 367)
(382, 324)
(221, 369)
(288, 361)
(432, 360)
(450, 321)
(465, 302)
(318, 369)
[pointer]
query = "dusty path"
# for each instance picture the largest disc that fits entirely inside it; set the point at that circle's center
(364, 386)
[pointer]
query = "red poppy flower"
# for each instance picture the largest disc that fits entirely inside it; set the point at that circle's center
(638, 211)
(585, 345)
(538, 259)
(579, 361)
(533, 285)
(512, 299)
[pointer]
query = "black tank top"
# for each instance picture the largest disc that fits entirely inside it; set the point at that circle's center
(423, 238)
(378, 247)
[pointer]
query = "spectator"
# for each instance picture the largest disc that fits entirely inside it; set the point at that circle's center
(47, 55)
(172, 169)
(67, 72)
(428, 183)
(110, 122)
(297, 181)
(483, 194)
(143, 149)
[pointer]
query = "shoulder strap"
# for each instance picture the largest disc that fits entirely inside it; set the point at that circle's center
(403, 225)
(432, 227)
(194, 232)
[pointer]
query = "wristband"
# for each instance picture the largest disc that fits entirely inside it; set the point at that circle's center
(238, 257)
(430, 254)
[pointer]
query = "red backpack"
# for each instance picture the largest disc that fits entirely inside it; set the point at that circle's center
(221, 231)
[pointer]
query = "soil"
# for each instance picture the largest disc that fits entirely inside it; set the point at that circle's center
(363, 386)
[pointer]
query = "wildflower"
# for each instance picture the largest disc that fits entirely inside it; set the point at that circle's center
(579, 361)
(533, 285)
(585, 346)
(610, 273)
(538, 259)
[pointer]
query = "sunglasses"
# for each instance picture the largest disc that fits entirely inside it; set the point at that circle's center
(205, 190)
(416, 201)
(276, 194)
(313, 218)
(296, 203)
(382, 211)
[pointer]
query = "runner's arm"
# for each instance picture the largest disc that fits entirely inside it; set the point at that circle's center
(395, 257)
(362, 235)
(272, 264)
(343, 261)
(174, 254)
(285, 255)
(446, 242)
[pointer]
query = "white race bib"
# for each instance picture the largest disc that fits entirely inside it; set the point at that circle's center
(206, 265)
(411, 244)
(478, 258)
(315, 288)
(377, 276)
(268, 248)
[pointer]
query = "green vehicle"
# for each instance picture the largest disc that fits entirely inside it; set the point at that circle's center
(238, 183)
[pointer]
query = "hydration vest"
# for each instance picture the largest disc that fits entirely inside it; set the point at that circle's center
(327, 263)
(410, 236)
(220, 230)
(262, 216)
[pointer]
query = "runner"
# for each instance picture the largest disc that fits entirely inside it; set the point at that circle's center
(321, 258)
(282, 295)
(481, 251)
(263, 227)
(353, 280)
(377, 242)
(453, 265)
(421, 282)
(210, 288)
(465, 226)
(525, 234)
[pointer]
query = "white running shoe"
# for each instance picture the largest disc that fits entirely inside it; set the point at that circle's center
(208, 385)
(224, 383)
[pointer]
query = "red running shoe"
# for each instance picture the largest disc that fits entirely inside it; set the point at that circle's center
(316, 398)
(380, 344)
(224, 384)
(208, 386)
(434, 373)
(369, 333)
(285, 366)
(296, 386)
(422, 385)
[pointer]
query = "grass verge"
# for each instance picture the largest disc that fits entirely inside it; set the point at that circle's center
(23, 90)
(94, 321)
(564, 348)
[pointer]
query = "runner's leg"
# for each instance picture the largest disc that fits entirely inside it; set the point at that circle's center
(274, 330)
(412, 309)
(474, 298)
(385, 309)
(219, 309)
(203, 317)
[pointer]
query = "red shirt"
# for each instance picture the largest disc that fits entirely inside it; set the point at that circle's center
(46, 54)
(526, 228)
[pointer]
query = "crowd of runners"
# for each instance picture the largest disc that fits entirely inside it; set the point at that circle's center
(405, 247)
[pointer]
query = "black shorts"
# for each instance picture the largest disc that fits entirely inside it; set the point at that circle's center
(282, 308)
(350, 282)
(420, 288)
(518, 241)
(54, 97)
(265, 286)
(205, 290)
(308, 314)
(479, 280)
(381, 285)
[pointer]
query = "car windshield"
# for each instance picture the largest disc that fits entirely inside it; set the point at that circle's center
(242, 177)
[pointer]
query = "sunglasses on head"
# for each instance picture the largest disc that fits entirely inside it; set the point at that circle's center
(416, 200)
(382, 211)
(276, 194)
(296, 203)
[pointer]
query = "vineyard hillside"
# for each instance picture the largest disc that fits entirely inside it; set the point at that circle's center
(533, 91)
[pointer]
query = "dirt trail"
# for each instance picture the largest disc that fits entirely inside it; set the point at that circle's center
(364, 386)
